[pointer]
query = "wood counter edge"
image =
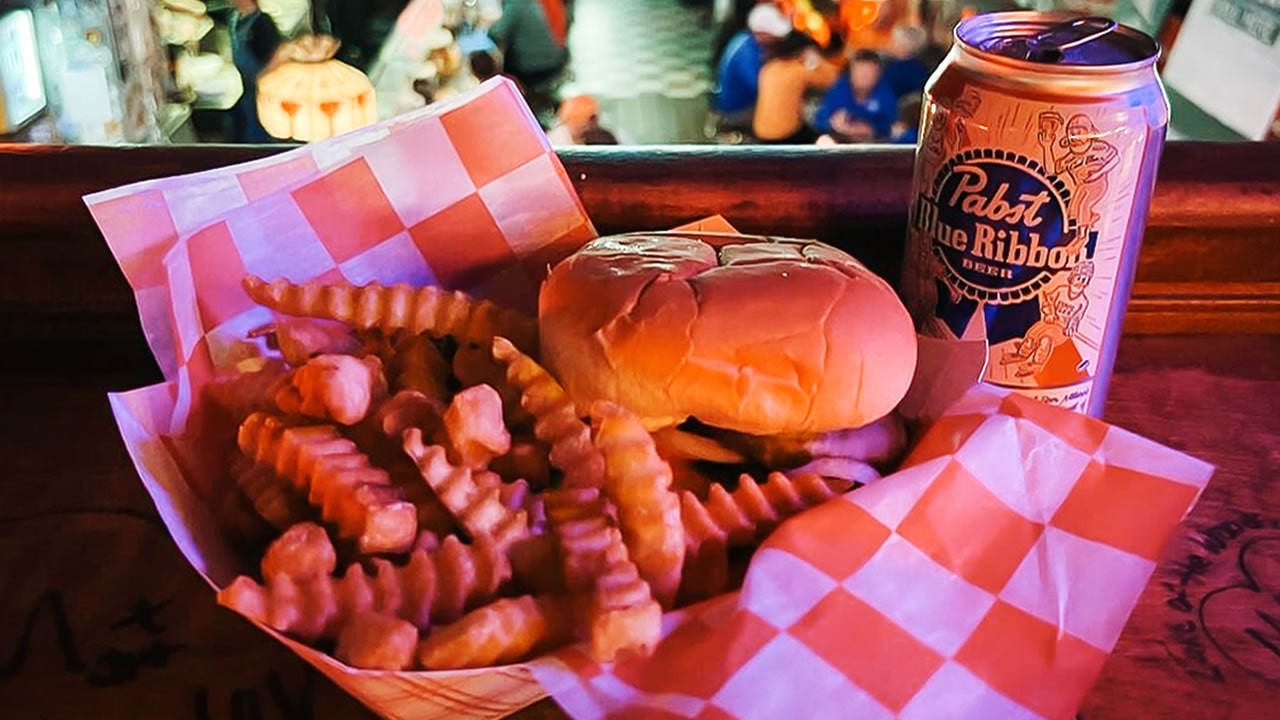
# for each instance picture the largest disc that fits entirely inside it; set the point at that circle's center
(1209, 260)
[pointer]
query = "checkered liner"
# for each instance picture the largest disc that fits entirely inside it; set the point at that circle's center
(990, 578)
(466, 194)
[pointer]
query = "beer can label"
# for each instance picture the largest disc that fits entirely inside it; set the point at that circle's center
(1017, 230)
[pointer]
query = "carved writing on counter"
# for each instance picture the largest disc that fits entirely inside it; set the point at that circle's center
(249, 704)
(83, 643)
(1225, 600)
(141, 646)
(1243, 620)
(50, 603)
(119, 664)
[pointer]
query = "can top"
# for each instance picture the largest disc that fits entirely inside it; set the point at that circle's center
(1052, 39)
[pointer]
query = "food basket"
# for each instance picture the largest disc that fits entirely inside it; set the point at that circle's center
(989, 577)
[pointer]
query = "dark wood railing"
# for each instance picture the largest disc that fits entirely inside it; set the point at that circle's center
(1210, 262)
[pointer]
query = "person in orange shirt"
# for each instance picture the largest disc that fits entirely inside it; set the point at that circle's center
(792, 70)
(578, 123)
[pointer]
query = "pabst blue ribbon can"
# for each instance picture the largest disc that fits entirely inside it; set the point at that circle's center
(1040, 138)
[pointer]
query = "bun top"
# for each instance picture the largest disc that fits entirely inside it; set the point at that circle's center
(752, 334)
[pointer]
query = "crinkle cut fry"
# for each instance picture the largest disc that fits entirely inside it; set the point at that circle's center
(302, 552)
(624, 617)
(378, 436)
(475, 427)
(616, 603)
(274, 498)
(397, 307)
(556, 421)
(514, 496)
(638, 481)
(739, 519)
(502, 632)
(480, 511)
(377, 642)
(419, 366)
(474, 364)
(351, 493)
(339, 388)
(579, 519)
(433, 516)
(434, 588)
(748, 514)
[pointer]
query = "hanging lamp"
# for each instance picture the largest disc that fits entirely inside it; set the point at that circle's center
(308, 95)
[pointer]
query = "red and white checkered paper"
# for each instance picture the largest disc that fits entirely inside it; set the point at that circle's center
(466, 193)
(988, 578)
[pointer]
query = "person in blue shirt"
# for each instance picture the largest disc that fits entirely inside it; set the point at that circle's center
(858, 108)
(738, 78)
(905, 73)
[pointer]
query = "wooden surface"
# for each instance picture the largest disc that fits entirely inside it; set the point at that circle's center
(101, 617)
(1210, 261)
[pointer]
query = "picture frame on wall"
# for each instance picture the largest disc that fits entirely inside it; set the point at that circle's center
(1223, 73)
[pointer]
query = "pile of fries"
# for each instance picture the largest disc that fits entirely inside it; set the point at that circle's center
(434, 500)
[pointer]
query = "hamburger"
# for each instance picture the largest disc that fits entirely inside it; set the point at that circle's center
(765, 349)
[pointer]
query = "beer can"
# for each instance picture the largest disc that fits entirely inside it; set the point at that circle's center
(1039, 142)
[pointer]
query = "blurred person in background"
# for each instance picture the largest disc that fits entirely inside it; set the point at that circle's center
(732, 20)
(738, 79)
(858, 107)
(254, 40)
(486, 64)
(578, 123)
(904, 72)
(794, 68)
(532, 42)
(906, 129)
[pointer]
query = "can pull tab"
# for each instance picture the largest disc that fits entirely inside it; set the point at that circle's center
(1049, 46)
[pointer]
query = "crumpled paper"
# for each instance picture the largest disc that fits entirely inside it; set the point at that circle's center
(990, 577)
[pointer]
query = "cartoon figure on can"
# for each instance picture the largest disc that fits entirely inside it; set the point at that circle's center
(1062, 305)
(1081, 157)
(1083, 161)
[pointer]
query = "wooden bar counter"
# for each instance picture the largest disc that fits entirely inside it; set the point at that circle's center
(100, 617)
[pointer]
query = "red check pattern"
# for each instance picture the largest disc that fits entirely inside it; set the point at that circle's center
(923, 595)
(427, 198)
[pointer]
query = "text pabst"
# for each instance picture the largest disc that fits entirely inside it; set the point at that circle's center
(1004, 227)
